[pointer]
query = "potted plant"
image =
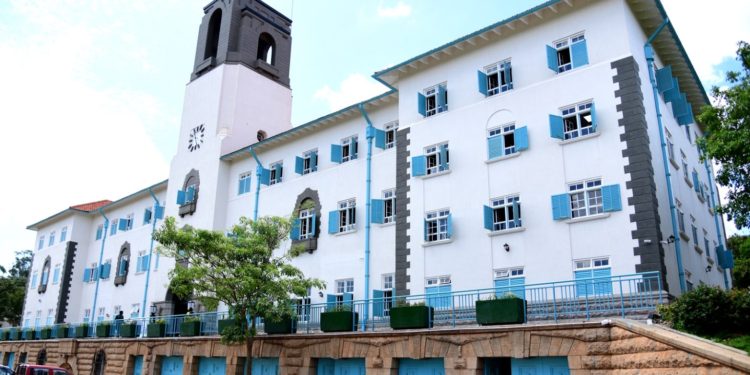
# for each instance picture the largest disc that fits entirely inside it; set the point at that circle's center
(104, 329)
(280, 325)
(4, 333)
(61, 331)
(157, 328)
(231, 322)
(45, 333)
(82, 330)
(410, 316)
(191, 326)
(508, 309)
(340, 318)
(128, 328)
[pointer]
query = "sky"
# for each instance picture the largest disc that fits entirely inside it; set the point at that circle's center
(91, 90)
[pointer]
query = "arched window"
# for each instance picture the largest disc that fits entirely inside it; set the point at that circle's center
(100, 363)
(212, 37)
(123, 264)
(45, 275)
(41, 357)
(267, 48)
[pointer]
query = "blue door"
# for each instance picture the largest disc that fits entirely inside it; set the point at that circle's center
(171, 365)
(421, 367)
(11, 357)
(328, 366)
(540, 366)
(212, 366)
(138, 365)
(265, 366)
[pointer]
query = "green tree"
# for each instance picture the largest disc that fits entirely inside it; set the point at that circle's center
(13, 285)
(740, 247)
(239, 270)
(727, 125)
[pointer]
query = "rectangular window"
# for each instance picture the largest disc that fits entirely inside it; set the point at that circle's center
(86, 315)
(34, 279)
(433, 100)
(687, 134)
(101, 314)
(347, 215)
(135, 310)
(680, 216)
(51, 238)
(438, 291)
(387, 294)
(695, 233)
(506, 212)
(93, 273)
(389, 206)
(706, 243)
(345, 286)
(50, 317)
(499, 77)
(38, 319)
(568, 53)
(390, 134)
(63, 234)
(578, 120)
(349, 148)
(130, 219)
(594, 275)
(309, 162)
(670, 145)
(306, 224)
(244, 183)
(276, 173)
(437, 225)
(304, 307)
(99, 231)
(437, 158)
(586, 198)
(143, 261)
(113, 227)
(502, 141)
(40, 245)
(510, 280)
(147, 215)
(56, 275)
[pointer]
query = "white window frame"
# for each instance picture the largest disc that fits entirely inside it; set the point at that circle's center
(50, 317)
(138, 269)
(272, 178)
(389, 206)
(86, 315)
(670, 146)
(388, 290)
(496, 71)
(438, 281)
(57, 270)
(344, 286)
(64, 233)
(51, 238)
(94, 272)
(507, 131)
(347, 144)
(504, 206)
(586, 198)
(563, 47)
(431, 100)
(592, 263)
(135, 310)
(347, 215)
(242, 177)
(40, 244)
(509, 273)
(437, 225)
(130, 218)
(680, 217)
(390, 134)
(306, 218)
(575, 121)
(307, 166)
(101, 314)
(433, 159)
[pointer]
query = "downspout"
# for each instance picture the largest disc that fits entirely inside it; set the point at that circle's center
(649, 52)
(370, 133)
(258, 169)
(150, 254)
(719, 232)
(99, 264)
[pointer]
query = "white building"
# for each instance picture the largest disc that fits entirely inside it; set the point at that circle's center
(527, 152)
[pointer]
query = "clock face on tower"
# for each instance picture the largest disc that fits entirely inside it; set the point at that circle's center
(196, 137)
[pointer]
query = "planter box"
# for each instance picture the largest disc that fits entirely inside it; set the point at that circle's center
(61, 332)
(128, 330)
(286, 325)
(156, 329)
(409, 317)
(81, 331)
(45, 333)
(4, 335)
(28, 334)
(225, 323)
(103, 330)
(338, 321)
(13, 334)
(192, 328)
(501, 311)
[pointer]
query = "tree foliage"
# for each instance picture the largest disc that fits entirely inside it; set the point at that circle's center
(13, 286)
(740, 247)
(727, 138)
(710, 311)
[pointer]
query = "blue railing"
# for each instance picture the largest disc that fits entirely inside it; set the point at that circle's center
(632, 295)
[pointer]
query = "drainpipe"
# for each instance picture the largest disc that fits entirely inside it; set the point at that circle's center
(370, 133)
(719, 232)
(258, 168)
(150, 255)
(99, 264)
(649, 51)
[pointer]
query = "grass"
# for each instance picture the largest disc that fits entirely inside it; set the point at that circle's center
(739, 342)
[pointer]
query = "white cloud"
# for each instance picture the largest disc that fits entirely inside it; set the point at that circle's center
(354, 88)
(396, 11)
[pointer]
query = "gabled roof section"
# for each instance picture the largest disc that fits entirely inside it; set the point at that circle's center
(314, 125)
(91, 206)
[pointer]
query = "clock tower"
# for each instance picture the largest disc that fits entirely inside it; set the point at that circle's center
(238, 93)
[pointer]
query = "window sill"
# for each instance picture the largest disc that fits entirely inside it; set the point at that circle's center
(684, 236)
(687, 180)
(388, 224)
(587, 218)
(504, 157)
(701, 198)
(709, 260)
(579, 139)
(674, 164)
(437, 243)
(698, 249)
(505, 231)
(435, 174)
(350, 231)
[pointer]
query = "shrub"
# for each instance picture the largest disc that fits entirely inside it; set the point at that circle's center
(740, 311)
(704, 310)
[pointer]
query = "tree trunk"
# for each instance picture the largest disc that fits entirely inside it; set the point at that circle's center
(249, 345)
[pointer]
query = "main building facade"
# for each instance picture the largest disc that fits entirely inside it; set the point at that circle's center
(554, 145)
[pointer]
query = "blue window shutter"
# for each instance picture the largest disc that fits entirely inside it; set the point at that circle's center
(278, 169)
(314, 161)
(298, 163)
(482, 82)
(728, 259)
(696, 182)
(602, 285)
(95, 273)
(441, 98)
(99, 233)
(489, 218)
(180, 197)
(443, 157)
(583, 287)
(333, 221)
(687, 116)
(376, 211)
(508, 75)
(517, 287)
(264, 175)
(147, 216)
(679, 106)
(160, 210)
(556, 129)
(348, 298)
(314, 226)
(113, 228)
(521, 136)
(593, 118)
(664, 79)
(579, 53)
(330, 301)
(501, 287)
(552, 58)
(336, 153)
(354, 149)
(421, 105)
(377, 303)
(611, 200)
(294, 232)
(86, 274)
(516, 214)
(122, 224)
(190, 194)
(379, 138)
(560, 207)
(495, 146)
(450, 226)
(418, 165)
(674, 93)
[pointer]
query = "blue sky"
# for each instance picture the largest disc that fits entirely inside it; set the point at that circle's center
(91, 93)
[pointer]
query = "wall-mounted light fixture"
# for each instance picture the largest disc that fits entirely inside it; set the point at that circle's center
(506, 247)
